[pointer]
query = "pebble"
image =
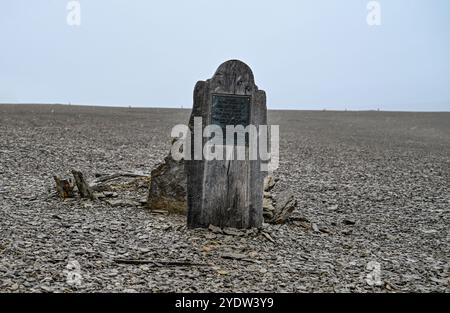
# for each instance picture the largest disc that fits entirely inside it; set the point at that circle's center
(369, 168)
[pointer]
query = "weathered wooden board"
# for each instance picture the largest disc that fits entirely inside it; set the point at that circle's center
(226, 193)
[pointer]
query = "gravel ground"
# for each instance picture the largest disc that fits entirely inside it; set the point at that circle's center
(372, 187)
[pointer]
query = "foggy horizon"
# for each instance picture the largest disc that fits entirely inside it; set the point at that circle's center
(189, 107)
(307, 56)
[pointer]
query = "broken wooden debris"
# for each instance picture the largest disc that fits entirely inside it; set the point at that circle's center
(64, 187)
(122, 203)
(105, 178)
(99, 189)
(286, 204)
(164, 212)
(101, 183)
(84, 189)
(158, 263)
(268, 237)
(305, 224)
(238, 256)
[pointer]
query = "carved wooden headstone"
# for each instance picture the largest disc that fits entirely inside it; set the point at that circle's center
(226, 193)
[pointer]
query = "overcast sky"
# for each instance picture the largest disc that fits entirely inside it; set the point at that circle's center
(306, 54)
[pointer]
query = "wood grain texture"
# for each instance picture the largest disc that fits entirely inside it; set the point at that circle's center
(84, 189)
(226, 193)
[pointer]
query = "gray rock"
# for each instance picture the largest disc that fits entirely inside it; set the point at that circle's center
(215, 229)
(269, 183)
(233, 231)
(122, 203)
(168, 187)
(285, 205)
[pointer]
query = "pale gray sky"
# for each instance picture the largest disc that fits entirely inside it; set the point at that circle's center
(306, 54)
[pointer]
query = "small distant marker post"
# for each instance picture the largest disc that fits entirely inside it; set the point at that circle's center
(73, 13)
(374, 13)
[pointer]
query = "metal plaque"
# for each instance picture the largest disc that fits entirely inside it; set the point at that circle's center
(230, 110)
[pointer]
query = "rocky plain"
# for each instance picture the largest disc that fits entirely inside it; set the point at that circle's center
(373, 213)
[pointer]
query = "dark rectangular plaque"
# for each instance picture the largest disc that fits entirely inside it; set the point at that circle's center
(230, 110)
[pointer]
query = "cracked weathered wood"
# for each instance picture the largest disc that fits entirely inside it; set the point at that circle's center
(108, 177)
(64, 187)
(226, 193)
(83, 187)
(285, 205)
(167, 189)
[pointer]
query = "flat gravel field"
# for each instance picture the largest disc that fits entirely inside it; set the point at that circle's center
(373, 192)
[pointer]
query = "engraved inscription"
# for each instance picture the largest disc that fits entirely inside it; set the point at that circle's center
(230, 110)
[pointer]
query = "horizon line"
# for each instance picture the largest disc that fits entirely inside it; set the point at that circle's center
(190, 108)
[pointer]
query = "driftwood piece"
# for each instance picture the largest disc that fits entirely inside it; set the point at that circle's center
(158, 263)
(106, 178)
(83, 187)
(101, 183)
(64, 187)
